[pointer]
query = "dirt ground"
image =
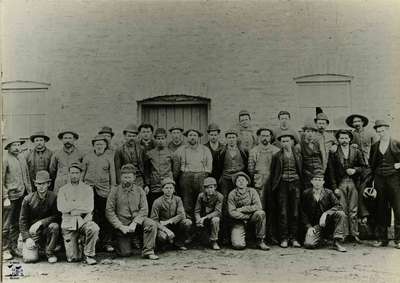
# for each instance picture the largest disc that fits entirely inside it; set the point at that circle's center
(361, 263)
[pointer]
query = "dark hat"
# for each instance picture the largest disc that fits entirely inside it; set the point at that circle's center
(146, 125)
(288, 133)
(209, 181)
(264, 129)
(231, 131)
(176, 127)
(349, 120)
(99, 138)
(213, 127)
(132, 128)
(283, 112)
(318, 173)
(39, 134)
(234, 177)
(160, 132)
(128, 168)
(42, 176)
(13, 140)
(244, 112)
(106, 130)
(166, 181)
(61, 134)
(381, 123)
(321, 116)
(77, 165)
(310, 126)
(344, 131)
(192, 130)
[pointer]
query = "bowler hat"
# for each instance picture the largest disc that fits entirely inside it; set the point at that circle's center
(13, 140)
(237, 175)
(160, 132)
(344, 131)
(132, 128)
(106, 130)
(310, 126)
(175, 127)
(77, 165)
(321, 116)
(232, 131)
(349, 120)
(99, 138)
(42, 176)
(381, 123)
(209, 181)
(318, 173)
(166, 181)
(288, 133)
(39, 134)
(61, 134)
(128, 168)
(244, 112)
(192, 130)
(213, 127)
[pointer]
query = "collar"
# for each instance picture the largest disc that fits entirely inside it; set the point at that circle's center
(69, 151)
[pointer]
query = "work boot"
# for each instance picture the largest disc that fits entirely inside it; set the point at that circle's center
(337, 246)
(295, 244)
(151, 256)
(7, 255)
(215, 246)
(378, 244)
(397, 245)
(90, 260)
(262, 245)
(108, 248)
(52, 259)
(284, 244)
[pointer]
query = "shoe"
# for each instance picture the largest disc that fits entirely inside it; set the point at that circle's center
(152, 256)
(90, 260)
(182, 248)
(263, 246)
(397, 245)
(215, 245)
(284, 244)
(378, 244)
(357, 240)
(7, 255)
(295, 244)
(337, 246)
(108, 248)
(52, 259)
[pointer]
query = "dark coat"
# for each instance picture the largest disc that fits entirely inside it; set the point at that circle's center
(214, 154)
(394, 146)
(220, 160)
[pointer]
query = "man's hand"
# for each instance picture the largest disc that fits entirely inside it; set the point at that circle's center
(311, 230)
(164, 223)
(146, 189)
(337, 193)
(35, 227)
(124, 229)
(132, 227)
(350, 171)
(30, 243)
(6, 202)
(397, 165)
(322, 220)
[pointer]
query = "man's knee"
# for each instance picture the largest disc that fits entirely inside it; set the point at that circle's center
(215, 221)
(92, 229)
(259, 214)
(186, 223)
(238, 237)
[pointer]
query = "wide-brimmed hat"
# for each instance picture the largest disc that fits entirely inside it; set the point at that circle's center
(77, 165)
(192, 130)
(213, 127)
(99, 138)
(381, 123)
(310, 126)
(42, 176)
(209, 181)
(39, 134)
(237, 175)
(160, 132)
(349, 120)
(13, 140)
(344, 131)
(132, 128)
(166, 181)
(128, 168)
(175, 127)
(232, 131)
(106, 130)
(321, 116)
(288, 133)
(62, 133)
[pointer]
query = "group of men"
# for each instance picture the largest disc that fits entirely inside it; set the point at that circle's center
(277, 186)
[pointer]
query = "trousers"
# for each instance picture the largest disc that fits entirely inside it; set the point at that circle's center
(238, 234)
(349, 201)
(82, 240)
(191, 184)
(289, 200)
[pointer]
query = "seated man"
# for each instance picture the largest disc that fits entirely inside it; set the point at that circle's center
(38, 222)
(322, 214)
(127, 212)
(244, 207)
(170, 216)
(75, 201)
(208, 209)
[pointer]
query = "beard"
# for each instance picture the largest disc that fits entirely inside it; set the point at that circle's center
(68, 145)
(126, 184)
(265, 142)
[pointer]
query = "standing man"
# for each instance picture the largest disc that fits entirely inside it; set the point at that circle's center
(362, 138)
(322, 213)
(311, 152)
(285, 118)
(287, 182)
(38, 159)
(108, 133)
(214, 144)
(246, 133)
(325, 139)
(146, 137)
(385, 165)
(63, 158)
(39, 218)
(127, 212)
(194, 164)
(176, 138)
(130, 153)
(16, 183)
(159, 164)
(345, 168)
(99, 172)
(75, 201)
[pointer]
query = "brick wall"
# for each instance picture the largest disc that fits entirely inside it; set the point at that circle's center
(102, 56)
